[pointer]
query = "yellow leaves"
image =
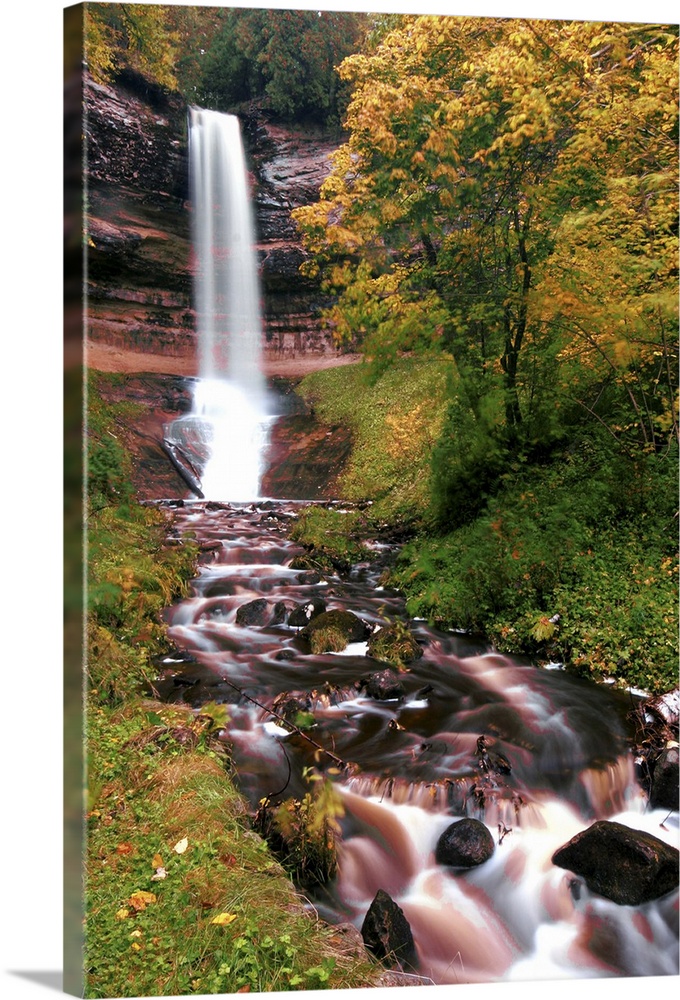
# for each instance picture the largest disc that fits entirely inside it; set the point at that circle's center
(141, 899)
(223, 919)
(157, 861)
(122, 914)
(543, 629)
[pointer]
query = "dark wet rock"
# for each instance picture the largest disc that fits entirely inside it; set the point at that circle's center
(254, 613)
(627, 866)
(424, 692)
(210, 546)
(279, 613)
(664, 794)
(387, 933)
(465, 844)
(394, 644)
(286, 654)
(302, 614)
(309, 579)
(383, 685)
(344, 623)
(217, 610)
(221, 588)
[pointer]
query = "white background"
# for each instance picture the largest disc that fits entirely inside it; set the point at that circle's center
(31, 463)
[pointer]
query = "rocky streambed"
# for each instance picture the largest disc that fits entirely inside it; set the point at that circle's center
(495, 821)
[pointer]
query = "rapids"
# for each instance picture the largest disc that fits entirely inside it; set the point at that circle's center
(415, 766)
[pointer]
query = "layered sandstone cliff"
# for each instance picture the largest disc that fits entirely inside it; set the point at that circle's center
(137, 217)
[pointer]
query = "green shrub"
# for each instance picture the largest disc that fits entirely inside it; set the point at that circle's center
(588, 538)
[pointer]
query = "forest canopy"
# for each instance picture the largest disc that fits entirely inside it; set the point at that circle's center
(222, 57)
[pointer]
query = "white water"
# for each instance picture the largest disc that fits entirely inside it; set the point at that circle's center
(516, 919)
(230, 412)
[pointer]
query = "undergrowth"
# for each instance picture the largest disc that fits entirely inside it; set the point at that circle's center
(564, 563)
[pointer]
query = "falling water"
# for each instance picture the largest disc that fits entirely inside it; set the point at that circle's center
(223, 439)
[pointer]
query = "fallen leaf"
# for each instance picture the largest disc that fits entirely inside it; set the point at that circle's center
(124, 848)
(136, 933)
(181, 846)
(160, 874)
(122, 914)
(141, 899)
(223, 918)
(157, 861)
(135, 946)
(244, 989)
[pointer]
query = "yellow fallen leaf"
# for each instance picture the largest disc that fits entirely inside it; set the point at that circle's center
(157, 861)
(136, 933)
(122, 914)
(141, 899)
(135, 946)
(181, 846)
(223, 918)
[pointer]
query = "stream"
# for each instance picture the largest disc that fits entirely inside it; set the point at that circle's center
(416, 764)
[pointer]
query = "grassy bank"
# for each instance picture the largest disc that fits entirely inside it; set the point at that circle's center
(571, 555)
(395, 419)
(181, 895)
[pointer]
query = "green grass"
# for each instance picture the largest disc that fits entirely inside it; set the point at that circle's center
(159, 800)
(395, 419)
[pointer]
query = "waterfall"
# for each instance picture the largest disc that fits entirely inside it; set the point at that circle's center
(224, 438)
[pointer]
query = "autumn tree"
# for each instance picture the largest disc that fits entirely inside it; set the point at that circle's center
(507, 194)
(132, 36)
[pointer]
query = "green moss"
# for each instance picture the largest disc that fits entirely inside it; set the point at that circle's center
(331, 539)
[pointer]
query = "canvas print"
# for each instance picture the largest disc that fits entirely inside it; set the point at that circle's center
(371, 371)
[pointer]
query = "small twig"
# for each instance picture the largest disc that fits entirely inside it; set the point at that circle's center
(338, 760)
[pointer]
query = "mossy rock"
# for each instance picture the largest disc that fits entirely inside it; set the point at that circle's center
(333, 630)
(394, 644)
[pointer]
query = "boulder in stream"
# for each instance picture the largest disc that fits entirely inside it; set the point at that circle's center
(664, 793)
(387, 933)
(628, 866)
(331, 631)
(259, 613)
(302, 614)
(383, 685)
(464, 844)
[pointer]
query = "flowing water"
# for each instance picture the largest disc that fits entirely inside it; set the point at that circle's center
(413, 763)
(415, 767)
(224, 438)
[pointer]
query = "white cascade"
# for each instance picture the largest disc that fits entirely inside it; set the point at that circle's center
(227, 431)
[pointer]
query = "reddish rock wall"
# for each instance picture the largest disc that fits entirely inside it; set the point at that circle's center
(139, 280)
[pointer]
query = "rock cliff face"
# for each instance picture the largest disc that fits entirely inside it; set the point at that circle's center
(139, 277)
